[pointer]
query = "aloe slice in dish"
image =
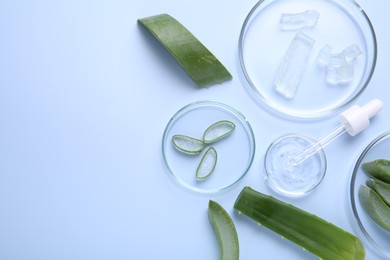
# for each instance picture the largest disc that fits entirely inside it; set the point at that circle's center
(382, 188)
(200, 64)
(225, 231)
(187, 144)
(314, 234)
(375, 207)
(207, 164)
(379, 169)
(218, 131)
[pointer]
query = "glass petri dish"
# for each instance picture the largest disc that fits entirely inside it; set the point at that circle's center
(235, 152)
(287, 178)
(375, 236)
(263, 45)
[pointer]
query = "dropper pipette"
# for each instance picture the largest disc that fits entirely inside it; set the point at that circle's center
(353, 121)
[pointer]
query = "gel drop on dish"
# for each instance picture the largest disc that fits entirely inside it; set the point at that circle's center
(295, 165)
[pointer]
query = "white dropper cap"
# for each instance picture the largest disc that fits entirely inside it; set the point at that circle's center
(357, 118)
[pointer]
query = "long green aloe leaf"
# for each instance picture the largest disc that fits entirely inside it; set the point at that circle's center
(316, 235)
(200, 64)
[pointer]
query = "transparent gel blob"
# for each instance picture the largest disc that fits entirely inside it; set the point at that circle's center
(287, 177)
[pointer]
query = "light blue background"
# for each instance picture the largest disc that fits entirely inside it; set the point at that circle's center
(85, 95)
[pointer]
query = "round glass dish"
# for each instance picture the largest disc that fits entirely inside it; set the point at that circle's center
(263, 45)
(288, 178)
(234, 152)
(373, 234)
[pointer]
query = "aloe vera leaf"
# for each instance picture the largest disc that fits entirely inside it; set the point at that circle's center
(187, 144)
(314, 234)
(207, 164)
(218, 131)
(199, 63)
(379, 169)
(382, 188)
(375, 207)
(225, 231)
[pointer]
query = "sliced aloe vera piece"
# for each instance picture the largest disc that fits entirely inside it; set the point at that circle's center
(379, 169)
(225, 231)
(375, 207)
(187, 144)
(200, 64)
(207, 164)
(382, 188)
(314, 234)
(218, 131)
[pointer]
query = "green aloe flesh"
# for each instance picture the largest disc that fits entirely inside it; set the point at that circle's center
(218, 131)
(200, 64)
(187, 144)
(314, 234)
(225, 231)
(375, 207)
(382, 188)
(379, 169)
(207, 164)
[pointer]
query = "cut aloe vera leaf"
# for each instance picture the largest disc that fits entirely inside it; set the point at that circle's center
(225, 231)
(187, 144)
(379, 169)
(218, 131)
(314, 234)
(200, 64)
(207, 164)
(382, 188)
(375, 207)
